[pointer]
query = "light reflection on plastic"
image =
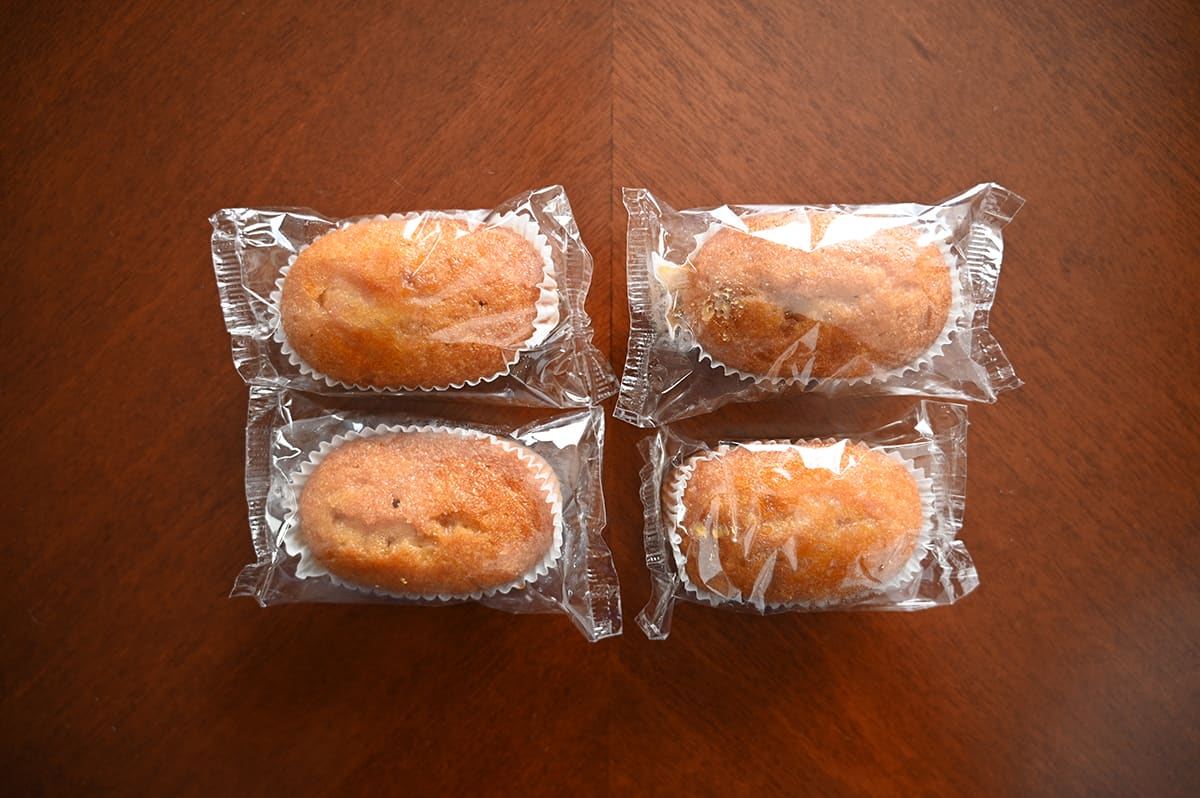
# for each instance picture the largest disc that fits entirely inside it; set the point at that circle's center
(827, 457)
(789, 551)
(562, 436)
(728, 218)
(922, 426)
(709, 562)
(796, 234)
(845, 228)
(765, 576)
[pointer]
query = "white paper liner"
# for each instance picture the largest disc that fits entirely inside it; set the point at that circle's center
(674, 511)
(958, 319)
(544, 322)
(311, 567)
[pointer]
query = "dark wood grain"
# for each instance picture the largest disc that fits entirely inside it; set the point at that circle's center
(1073, 670)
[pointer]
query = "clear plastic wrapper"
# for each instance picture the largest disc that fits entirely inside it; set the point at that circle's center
(486, 305)
(292, 435)
(852, 520)
(746, 302)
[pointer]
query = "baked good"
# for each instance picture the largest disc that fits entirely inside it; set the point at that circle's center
(393, 303)
(841, 298)
(818, 523)
(429, 512)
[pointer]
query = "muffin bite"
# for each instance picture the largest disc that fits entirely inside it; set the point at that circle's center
(816, 294)
(816, 523)
(412, 303)
(429, 512)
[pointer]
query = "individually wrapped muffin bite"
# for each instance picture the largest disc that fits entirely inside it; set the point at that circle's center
(416, 302)
(738, 303)
(425, 511)
(849, 521)
(802, 294)
(486, 305)
(352, 501)
(803, 524)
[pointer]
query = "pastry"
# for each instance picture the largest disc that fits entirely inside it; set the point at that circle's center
(817, 523)
(410, 303)
(816, 294)
(430, 512)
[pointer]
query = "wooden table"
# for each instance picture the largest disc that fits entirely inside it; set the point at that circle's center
(1073, 670)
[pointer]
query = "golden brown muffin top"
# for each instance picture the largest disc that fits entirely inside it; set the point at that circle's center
(397, 303)
(844, 301)
(427, 512)
(831, 529)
